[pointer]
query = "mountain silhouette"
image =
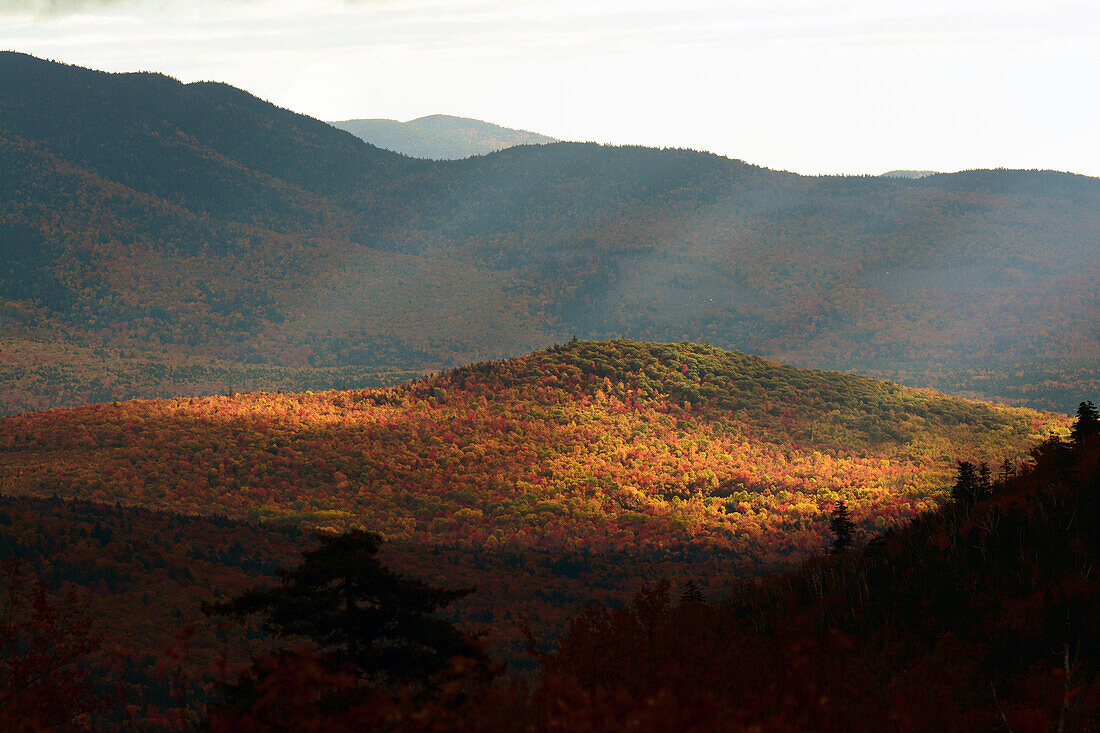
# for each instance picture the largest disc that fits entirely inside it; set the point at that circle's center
(440, 137)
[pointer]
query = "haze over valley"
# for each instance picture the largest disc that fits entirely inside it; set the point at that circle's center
(240, 246)
(447, 425)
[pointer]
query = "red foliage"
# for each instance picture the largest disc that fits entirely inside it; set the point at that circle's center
(592, 446)
(47, 657)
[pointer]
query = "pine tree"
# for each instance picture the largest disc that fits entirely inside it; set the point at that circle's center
(967, 484)
(842, 526)
(691, 593)
(985, 481)
(1087, 425)
(357, 612)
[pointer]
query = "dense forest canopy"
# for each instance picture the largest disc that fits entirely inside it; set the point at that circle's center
(284, 443)
(590, 446)
(973, 616)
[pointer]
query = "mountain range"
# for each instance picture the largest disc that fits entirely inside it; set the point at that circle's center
(440, 137)
(162, 239)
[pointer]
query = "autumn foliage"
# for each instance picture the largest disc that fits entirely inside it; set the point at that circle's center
(588, 446)
(974, 617)
(51, 668)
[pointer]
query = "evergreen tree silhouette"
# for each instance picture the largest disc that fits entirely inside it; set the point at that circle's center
(359, 614)
(1087, 425)
(967, 486)
(691, 593)
(985, 481)
(842, 526)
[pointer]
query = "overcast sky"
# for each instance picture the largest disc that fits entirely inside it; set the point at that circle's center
(814, 86)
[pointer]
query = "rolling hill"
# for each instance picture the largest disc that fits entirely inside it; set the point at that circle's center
(590, 446)
(159, 239)
(570, 475)
(440, 137)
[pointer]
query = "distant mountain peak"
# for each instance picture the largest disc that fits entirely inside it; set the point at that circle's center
(908, 174)
(439, 136)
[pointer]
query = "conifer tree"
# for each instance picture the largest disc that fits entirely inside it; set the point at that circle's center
(691, 593)
(842, 526)
(985, 481)
(967, 484)
(359, 613)
(1087, 425)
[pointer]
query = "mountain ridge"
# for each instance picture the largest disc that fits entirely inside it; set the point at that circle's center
(440, 137)
(164, 225)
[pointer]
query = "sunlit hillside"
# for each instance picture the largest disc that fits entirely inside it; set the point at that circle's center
(591, 445)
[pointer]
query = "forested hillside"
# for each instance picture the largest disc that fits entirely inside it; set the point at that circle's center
(978, 616)
(590, 446)
(138, 579)
(162, 239)
(973, 616)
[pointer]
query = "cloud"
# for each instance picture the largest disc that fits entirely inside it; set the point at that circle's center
(60, 8)
(54, 8)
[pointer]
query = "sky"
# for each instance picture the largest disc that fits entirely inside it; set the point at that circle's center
(813, 86)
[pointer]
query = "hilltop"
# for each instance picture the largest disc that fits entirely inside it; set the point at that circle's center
(590, 446)
(440, 137)
(160, 239)
(902, 173)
